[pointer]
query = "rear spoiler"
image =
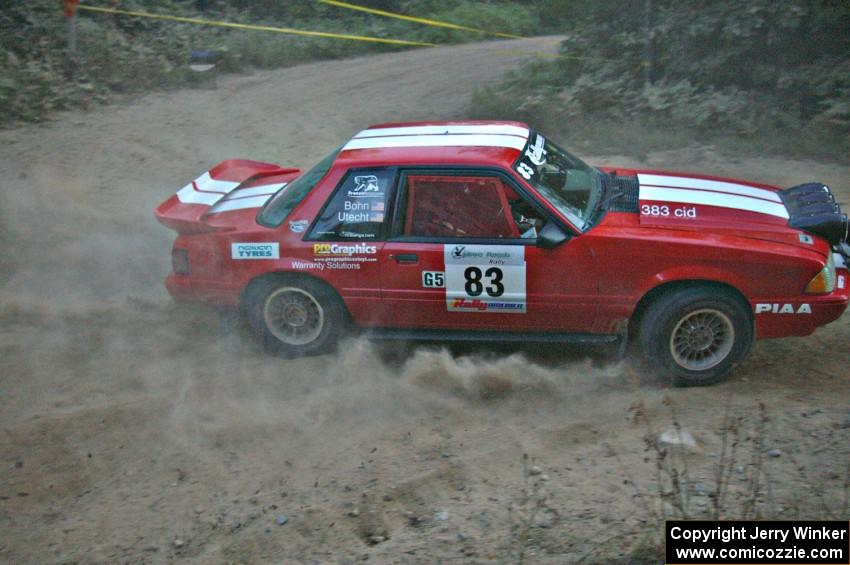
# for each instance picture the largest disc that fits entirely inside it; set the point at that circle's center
(235, 184)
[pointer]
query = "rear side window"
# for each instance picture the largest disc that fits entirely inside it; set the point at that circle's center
(282, 203)
(357, 209)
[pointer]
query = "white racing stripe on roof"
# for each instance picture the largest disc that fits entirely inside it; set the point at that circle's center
(509, 141)
(685, 196)
(241, 203)
(715, 185)
(495, 129)
(266, 189)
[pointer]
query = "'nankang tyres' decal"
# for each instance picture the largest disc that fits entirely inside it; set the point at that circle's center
(264, 250)
(485, 278)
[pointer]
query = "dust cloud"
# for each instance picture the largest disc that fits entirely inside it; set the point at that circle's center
(88, 297)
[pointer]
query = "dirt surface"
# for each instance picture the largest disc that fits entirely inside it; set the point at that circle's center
(133, 430)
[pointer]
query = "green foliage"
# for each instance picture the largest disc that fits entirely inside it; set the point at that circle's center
(514, 19)
(118, 54)
(755, 69)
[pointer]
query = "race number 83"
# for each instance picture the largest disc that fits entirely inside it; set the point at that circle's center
(492, 279)
(485, 278)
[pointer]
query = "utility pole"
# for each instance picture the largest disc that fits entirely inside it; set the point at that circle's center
(69, 10)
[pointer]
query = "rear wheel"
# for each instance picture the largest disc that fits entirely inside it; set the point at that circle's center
(294, 316)
(696, 336)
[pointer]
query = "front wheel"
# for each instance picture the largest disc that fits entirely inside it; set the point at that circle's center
(696, 336)
(294, 316)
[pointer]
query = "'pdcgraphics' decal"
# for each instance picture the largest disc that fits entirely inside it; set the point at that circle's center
(255, 250)
(344, 256)
(485, 278)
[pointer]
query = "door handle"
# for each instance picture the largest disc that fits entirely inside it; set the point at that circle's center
(407, 258)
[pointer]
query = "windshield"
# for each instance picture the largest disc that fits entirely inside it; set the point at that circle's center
(568, 183)
(287, 198)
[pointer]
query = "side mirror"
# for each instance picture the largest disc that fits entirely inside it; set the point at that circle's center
(551, 236)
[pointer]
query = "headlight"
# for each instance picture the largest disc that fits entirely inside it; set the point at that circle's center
(824, 281)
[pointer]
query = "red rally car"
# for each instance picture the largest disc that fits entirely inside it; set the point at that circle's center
(490, 231)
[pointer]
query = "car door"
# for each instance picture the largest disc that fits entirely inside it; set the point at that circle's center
(346, 238)
(463, 254)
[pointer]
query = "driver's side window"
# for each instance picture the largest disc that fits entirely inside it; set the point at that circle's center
(466, 206)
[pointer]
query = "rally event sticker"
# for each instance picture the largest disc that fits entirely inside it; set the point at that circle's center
(485, 278)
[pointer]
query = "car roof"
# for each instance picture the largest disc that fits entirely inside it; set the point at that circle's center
(479, 143)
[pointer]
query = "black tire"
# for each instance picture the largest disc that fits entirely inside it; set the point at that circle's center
(696, 336)
(294, 316)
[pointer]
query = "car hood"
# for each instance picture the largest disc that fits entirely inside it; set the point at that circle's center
(719, 205)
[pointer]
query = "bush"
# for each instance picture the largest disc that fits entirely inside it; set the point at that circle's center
(761, 69)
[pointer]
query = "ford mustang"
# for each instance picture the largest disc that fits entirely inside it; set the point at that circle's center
(491, 231)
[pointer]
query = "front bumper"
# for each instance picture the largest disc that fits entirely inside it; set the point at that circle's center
(801, 315)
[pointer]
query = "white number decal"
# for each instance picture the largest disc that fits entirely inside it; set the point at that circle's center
(433, 279)
(475, 286)
(526, 171)
(661, 211)
(654, 210)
